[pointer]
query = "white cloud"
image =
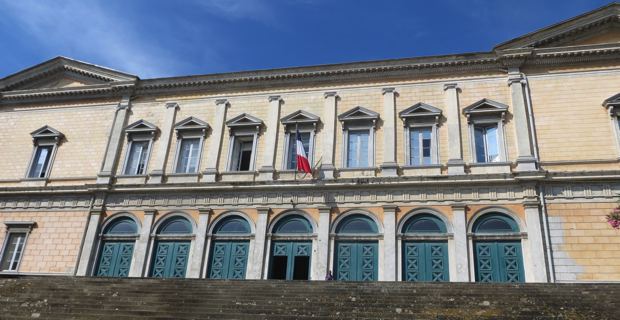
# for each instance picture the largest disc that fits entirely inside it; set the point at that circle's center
(86, 29)
(258, 10)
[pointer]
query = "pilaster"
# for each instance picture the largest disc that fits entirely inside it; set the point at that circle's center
(456, 165)
(258, 256)
(460, 250)
(159, 167)
(215, 141)
(90, 239)
(266, 171)
(329, 134)
(389, 168)
(389, 243)
(525, 156)
(321, 258)
(141, 247)
(536, 271)
(115, 139)
(198, 250)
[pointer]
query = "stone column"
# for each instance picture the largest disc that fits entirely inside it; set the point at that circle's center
(389, 168)
(525, 156)
(115, 139)
(198, 250)
(460, 254)
(389, 242)
(215, 141)
(141, 248)
(536, 271)
(258, 256)
(159, 167)
(329, 135)
(456, 165)
(89, 243)
(321, 259)
(265, 172)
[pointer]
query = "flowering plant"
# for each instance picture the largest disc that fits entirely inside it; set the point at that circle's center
(613, 218)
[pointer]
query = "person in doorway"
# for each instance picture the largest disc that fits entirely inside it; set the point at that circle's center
(329, 276)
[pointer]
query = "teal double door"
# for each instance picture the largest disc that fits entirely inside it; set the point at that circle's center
(290, 260)
(425, 261)
(499, 261)
(170, 259)
(115, 259)
(228, 259)
(356, 261)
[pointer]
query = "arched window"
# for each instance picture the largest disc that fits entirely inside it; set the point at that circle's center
(121, 226)
(357, 223)
(424, 223)
(293, 224)
(232, 225)
(176, 225)
(495, 223)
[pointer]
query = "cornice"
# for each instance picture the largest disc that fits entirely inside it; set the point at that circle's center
(57, 94)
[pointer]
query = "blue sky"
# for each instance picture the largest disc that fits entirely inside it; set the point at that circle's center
(175, 38)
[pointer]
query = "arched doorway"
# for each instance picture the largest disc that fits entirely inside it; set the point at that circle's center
(425, 249)
(229, 248)
(171, 249)
(117, 243)
(291, 248)
(356, 254)
(497, 247)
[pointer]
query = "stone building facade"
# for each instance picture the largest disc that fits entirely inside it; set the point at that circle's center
(494, 166)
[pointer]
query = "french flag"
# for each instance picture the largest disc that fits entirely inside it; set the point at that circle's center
(303, 164)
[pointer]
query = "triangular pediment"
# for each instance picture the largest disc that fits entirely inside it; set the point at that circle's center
(141, 126)
(358, 113)
(420, 109)
(46, 132)
(485, 107)
(191, 123)
(244, 120)
(61, 72)
(300, 116)
(600, 26)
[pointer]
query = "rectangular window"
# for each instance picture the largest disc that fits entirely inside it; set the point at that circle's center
(291, 162)
(242, 153)
(420, 146)
(188, 156)
(138, 158)
(357, 149)
(41, 161)
(13, 250)
(487, 143)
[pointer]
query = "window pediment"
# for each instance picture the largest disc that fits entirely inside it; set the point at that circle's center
(244, 120)
(612, 104)
(141, 127)
(300, 117)
(420, 110)
(486, 108)
(358, 113)
(191, 124)
(46, 132)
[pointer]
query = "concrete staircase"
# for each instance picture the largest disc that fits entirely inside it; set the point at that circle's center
(119, 299)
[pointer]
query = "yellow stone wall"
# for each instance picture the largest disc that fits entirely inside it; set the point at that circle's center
(53, 244)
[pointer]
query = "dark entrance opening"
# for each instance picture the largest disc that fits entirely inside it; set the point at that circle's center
(302, 268)
(278, 267)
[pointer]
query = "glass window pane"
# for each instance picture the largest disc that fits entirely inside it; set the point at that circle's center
(233, 225)
(357, 224)
(40, 162)
(426, 145)
(414, 148)
(293, 224)
(479, 142)
(122, 226)
(357, 153)
(492, 144)
(425, 223)
(136, 164)
(420, 145)
(188, 156)
(496, 223)
(292, 148)
(176, 225)
(13, 251)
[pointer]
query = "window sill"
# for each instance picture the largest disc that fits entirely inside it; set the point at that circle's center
(424, 170)
(289, 175)
(182, 178)
(128, 179)
(489, 168)
(357, 172)
(238, 176)
(34, 182)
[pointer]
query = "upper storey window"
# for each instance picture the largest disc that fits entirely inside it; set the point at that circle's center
(486, 131)
(244, 130)
(421, 146)
(305, 123)
(190, 136)
(358, 125)
(46, 141)
(613, 107)
(140, 135)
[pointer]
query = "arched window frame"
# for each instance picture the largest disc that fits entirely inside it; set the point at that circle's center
(356, 236)
(483, 214)
(102, 236)
(272, 234)
(417, 214)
